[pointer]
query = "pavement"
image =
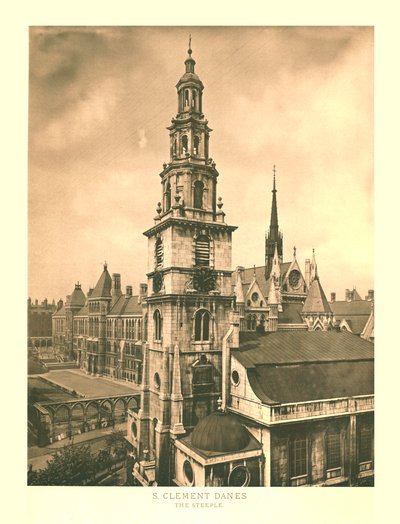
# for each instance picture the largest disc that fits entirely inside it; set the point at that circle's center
(88, 386)
(38, 456)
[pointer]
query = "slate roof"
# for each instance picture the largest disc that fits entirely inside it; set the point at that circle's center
(248, 275)
(78, 298)
(103, 286)
(126, 305)
(60, 312)
(291, 314)
(298, 366)
(342, 308)
(285, 384)
(356, 313)
(83, 312)
(290, 347)
(316, 301)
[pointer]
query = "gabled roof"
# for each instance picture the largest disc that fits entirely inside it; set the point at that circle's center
(293, 347)
(84, 312)
(126, 305)
(316, 301)
(103, 286)
(60, 312)
(248, 276)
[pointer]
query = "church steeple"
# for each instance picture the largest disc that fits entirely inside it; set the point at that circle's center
(274, 237)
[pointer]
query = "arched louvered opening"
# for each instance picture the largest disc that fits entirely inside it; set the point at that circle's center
(159, 253)
(198, 194)
(202, 326)
(184, 144)
(196, 144)
(157, 325)
(168, 197)
(202, 251)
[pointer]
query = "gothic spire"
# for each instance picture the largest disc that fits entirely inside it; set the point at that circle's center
(273, 236)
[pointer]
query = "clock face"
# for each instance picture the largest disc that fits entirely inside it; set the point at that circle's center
(157, 282)
(294, 278)
(239, 477)
(204, 280)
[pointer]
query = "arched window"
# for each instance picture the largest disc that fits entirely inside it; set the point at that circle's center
(196, 144)
(168, 197)
(194, 94)
(198, 194)
(202, 251)
(157, 325)
(202, 325)
(159, 253)
(186, 97)
(184, 144)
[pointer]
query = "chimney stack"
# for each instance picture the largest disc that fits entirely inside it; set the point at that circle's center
(128, 291)
(307, 272)
(370, 296)
(348, 295)
(116, 287)
(333, 297)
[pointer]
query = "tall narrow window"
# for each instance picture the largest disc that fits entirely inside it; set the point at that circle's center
(159, 253)
(184, 144)
(333, 454)
(298, 457)
(365, 444)
(196, 146)
(186, 97)
(194, 98)
(157, 325)
(198, 194)
(202, 326)
(168, 197)
(202, 251)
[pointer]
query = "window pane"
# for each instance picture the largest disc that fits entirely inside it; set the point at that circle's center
(365, 452)
(333, 451)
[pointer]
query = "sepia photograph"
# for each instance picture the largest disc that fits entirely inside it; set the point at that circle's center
(201, 256)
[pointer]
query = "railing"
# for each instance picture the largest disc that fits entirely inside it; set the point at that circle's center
(303, 410)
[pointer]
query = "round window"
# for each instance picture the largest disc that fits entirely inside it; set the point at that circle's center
(188, 472)
(134, 429)
(157, 380)
(239, 477)
(235, 377)
(254, 297)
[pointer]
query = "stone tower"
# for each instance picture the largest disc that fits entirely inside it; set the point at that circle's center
(190, 291)
(274, 237)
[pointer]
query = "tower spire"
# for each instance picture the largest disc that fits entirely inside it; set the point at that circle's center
(273, 236)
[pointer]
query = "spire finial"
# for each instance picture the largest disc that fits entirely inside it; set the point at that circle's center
(190, 45)
(274, 171)
(254, 270)
(105, 265)
(294, 251)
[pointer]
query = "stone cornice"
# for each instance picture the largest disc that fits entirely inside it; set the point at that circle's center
(187, 222)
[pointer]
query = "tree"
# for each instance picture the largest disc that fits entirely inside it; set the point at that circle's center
(116, 443)
(70, 466)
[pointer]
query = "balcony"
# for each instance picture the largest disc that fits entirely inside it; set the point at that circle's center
(323, 408)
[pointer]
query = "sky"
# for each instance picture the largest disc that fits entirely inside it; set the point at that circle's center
(100, 100)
